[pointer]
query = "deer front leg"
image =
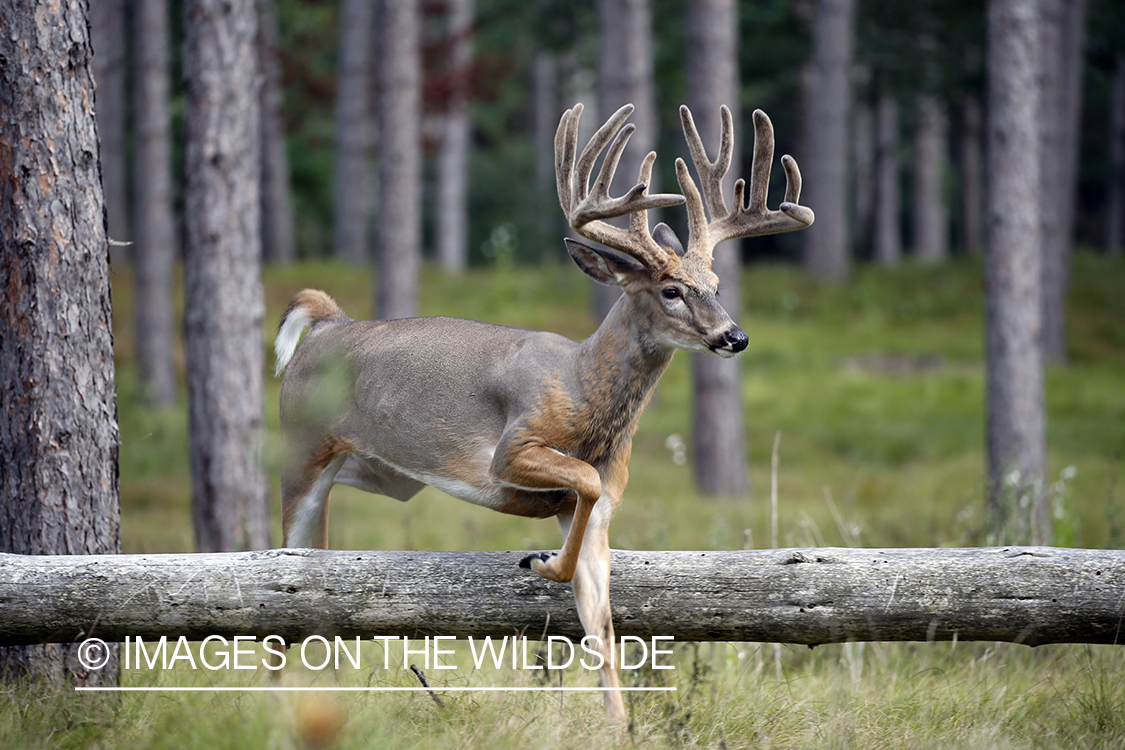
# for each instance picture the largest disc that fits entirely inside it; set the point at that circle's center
(591, 595)
(537, 467)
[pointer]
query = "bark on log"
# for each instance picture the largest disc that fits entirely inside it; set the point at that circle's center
(1029, 595)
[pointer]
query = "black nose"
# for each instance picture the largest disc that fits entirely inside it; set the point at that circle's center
(736, 339)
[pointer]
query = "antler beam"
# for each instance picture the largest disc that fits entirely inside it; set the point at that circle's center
(741, 220)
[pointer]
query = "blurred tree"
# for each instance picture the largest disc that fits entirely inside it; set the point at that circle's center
(625, 77)
(888, 227)
(970, 184)
(223, 299)
(712, 81)
(825, 155)
(1016, 421)
(931, 216)
(154, 250)
(452, 209)
(865, 159)
(279, 241)
(107, 34)
(398, 250)
(58, 411)
(1115, 209)
(1063, 40)
(355, 132)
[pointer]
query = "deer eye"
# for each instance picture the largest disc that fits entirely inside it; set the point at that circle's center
(670, 292)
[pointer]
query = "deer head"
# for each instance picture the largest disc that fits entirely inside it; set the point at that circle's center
(673, 289)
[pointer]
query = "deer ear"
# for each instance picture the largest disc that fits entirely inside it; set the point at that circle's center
(667, 239)
(601, 264)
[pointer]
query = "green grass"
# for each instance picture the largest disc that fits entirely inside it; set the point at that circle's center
(877, 391)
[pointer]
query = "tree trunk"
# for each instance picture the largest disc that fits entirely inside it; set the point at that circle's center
(888, 231)
(931, 233)
(107, 34)
(826, 140)
(864, 184)
(1115, 204)
(1016, 421)
(223, 300)
(58, 410)
(398, 246)
(355, 133)
(154, 251)
(548, 109)
(625, 61)
(1027, 595)
(279, 243)
(970, 183)
(718, 428)
(1062, 48)
(452, 218)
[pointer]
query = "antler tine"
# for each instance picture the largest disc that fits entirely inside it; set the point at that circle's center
(741, 220)
(587, 209)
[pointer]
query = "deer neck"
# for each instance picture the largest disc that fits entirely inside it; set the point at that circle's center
(616, 370)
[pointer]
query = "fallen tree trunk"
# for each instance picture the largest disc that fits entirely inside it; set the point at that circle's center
(1030, 595)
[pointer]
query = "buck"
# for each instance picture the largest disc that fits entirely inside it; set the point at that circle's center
(527, 422)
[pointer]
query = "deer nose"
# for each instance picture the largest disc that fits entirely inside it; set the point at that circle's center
(736, 339)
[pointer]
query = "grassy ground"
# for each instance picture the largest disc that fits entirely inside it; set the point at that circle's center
(876, 390)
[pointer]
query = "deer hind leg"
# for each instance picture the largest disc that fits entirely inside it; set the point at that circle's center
(304, 504)
(591, 595)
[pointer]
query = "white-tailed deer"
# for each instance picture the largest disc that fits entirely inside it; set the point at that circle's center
(526, 422)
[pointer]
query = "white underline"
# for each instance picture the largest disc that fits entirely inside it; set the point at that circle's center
(96, 689)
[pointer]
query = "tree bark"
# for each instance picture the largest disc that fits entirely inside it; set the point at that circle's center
(155, 233)
(58, 410)
(110, 42)
(888, 231)
(452, 218)
(826, 140)
(223, 299)
(1028, 595)
(718, 423)
(1016, 420)
(279, 240)
(355, 133)
(931, 218)
(1062, 48)
(1115, 204)
(398, 248)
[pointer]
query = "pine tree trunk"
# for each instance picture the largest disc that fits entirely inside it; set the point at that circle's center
(1016, 422)
(107, 34)
(931, 233)
(1063, 35)
(718, 427)
(223, 300)
(355, 133)
(625, 60)
(970, 182)
(548, 109)
(825, 164)
(1115, 204)
(155, 229)
(398, 246)
(58, 411)
(452, 220)
(279, 242)
(888, 230)
(864, 184)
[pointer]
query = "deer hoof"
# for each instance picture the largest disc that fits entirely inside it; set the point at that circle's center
(541, 556)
